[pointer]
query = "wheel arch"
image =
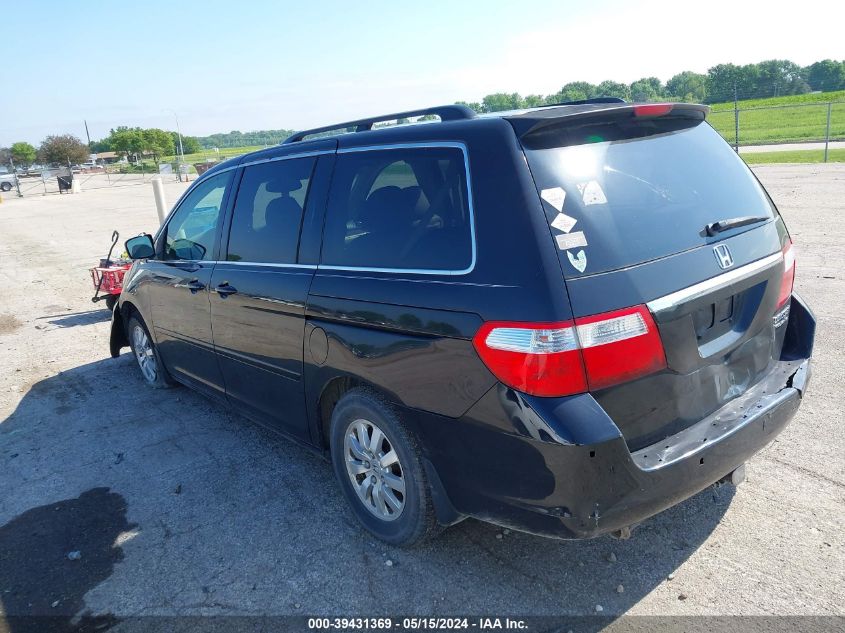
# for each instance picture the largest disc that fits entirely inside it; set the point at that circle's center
(333, 390)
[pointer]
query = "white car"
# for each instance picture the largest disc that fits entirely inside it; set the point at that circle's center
(7, 181)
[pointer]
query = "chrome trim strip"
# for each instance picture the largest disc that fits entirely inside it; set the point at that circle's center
(224, 262)
(695, 291)
(470, 204)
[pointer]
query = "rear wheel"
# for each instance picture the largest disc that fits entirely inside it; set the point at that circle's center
(379, 467)
(6, 186)
(149, 361)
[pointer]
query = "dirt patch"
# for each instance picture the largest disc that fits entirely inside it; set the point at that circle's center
(9, 323)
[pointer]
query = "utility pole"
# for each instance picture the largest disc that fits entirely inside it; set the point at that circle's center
(827, 133)
(736, 121)
(181, 151)
(87, 134)
(18, 182)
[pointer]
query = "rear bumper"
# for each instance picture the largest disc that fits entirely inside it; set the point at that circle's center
(561, 468)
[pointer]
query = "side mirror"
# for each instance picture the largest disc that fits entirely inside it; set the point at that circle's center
(140, 247)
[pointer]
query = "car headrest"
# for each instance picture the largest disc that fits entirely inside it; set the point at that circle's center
(280, 211)
(387, 207)
(284, 184)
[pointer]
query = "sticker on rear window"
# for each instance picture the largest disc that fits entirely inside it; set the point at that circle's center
(563, 222)
(554, 196)
(578, 261)
(571, 240)
(592, 193)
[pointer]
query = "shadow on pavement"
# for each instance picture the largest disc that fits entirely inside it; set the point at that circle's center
(53, 554)
(88, 317)
(234, 520)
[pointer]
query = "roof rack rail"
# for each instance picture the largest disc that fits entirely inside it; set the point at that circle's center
(446, 113)
(589, 101)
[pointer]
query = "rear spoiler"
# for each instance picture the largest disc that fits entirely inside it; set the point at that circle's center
(534, 121)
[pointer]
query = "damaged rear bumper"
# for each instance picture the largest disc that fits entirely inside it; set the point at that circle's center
(561, 468)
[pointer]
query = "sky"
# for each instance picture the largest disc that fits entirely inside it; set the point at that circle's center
(262, 64)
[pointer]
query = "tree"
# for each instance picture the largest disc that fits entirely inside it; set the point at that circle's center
(63, 149)
(826, 75)
(23, 154)
(613, 89)
(100, 146)
(500, 101)
(573, 91)
(156, 142)
(190, 144)
(126, 141)
(5, 154)
(647, 89)
(688, 86)
(533, 101)
(776, 77)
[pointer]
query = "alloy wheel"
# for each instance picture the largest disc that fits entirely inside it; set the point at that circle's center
(143, 349)
(374, 470)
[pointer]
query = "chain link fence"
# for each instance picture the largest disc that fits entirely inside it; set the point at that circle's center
(48, 181)
(815, 123)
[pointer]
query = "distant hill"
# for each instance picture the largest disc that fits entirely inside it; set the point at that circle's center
(242, 139)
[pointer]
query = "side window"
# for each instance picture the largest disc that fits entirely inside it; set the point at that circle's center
(268, 211)
(399, 208)
(192, 228)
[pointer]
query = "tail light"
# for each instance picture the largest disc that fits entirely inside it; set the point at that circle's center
(788, 274)
(652, 109)
(560, 359)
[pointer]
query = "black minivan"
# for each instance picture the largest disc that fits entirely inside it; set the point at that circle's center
(560, 320)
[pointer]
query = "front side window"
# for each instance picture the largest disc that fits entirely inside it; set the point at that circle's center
(268, 211)
(190, 233)
(404, 208)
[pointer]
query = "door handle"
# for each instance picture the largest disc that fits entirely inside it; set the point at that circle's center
(224, 290)
(194, 286)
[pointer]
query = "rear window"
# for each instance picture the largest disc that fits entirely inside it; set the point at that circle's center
(624, 192)
(399, 209)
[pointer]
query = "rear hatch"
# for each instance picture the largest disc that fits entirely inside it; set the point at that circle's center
(648, 206)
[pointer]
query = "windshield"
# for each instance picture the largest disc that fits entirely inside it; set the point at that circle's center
(620, 193)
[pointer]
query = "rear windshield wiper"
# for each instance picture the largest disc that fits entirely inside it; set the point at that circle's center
(732, 223)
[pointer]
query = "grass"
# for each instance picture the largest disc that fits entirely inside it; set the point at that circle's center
(225, 152)
(820, 97)
(760, 123)
(794, 156)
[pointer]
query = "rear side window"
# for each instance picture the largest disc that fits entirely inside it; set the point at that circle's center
(404, 208)
(268, 211)
(620, 193)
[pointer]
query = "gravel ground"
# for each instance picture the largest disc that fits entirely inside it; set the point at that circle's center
(117, 500)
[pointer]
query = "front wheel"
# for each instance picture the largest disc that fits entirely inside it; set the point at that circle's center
(378, 464)
(149, 361)
(111, 301)
(6, 186)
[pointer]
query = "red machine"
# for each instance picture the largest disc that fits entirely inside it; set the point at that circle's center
(108, 276)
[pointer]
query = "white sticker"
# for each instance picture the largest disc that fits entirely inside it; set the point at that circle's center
(564, 222)
(578, 261)
(554, 196)
(592, 193)
(571, 240)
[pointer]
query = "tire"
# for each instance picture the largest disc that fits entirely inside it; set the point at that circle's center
(146, 354)
(111, 301)
(398, 477)
(6, 186)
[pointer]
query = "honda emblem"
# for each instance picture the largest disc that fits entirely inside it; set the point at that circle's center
(723, 256)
